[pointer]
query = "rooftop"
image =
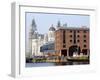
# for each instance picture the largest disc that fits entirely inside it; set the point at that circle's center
(74, 28)
(52, 28)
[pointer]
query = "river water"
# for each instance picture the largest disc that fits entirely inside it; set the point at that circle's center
(54, 64)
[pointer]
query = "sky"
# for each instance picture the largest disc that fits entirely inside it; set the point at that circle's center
(44, 20)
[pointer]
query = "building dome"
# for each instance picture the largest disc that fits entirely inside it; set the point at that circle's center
(52, 28)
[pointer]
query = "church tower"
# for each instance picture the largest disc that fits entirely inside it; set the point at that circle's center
(32, 30)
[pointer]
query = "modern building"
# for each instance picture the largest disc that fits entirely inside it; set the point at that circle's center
(48, 48)
(72, 40)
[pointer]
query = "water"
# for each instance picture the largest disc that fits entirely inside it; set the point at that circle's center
(54, 64)
(39, 64)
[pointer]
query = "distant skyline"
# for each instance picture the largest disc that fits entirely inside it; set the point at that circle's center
(45, 20)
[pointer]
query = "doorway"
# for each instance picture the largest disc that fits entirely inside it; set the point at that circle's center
(64, 52)
(73, 49)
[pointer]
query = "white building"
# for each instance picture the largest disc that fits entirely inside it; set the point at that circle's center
(51, 34)
(45, 38)
(39, 40)
(28, 45)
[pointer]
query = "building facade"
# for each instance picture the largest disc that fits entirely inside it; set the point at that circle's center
(39, 40)
(49, 42)
(51, 34)
(71, 40)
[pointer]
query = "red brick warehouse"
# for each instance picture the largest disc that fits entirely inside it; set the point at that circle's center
(72, 39)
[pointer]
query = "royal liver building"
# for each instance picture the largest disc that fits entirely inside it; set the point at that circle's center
(36, 40)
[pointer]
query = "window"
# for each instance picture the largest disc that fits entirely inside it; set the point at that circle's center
(70, 40)
(70, 35)
(78, 40)
(78, 36)
(71, 31)
(84, 40)
(78, 31)
(84, 36)
(84, 45)
(64, 46)
(84, 31)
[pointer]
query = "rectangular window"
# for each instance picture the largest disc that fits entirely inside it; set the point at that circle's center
(84, 40)
(64, 46)
(70, 31)
(78, 36)
(84, 36)
(84, 31)
(78, 31)
(70, 35)
(70, 40)
(78, 40)
(84, 46)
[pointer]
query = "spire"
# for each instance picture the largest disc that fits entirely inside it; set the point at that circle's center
(58, 24)
(34, 27)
